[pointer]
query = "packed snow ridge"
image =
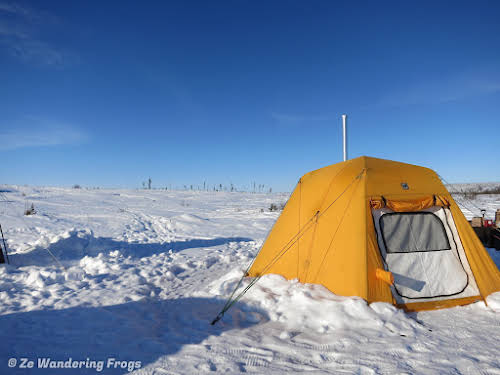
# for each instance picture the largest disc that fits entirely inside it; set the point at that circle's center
(119, 281)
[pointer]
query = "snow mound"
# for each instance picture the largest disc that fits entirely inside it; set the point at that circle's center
(191, 218)
(312, 307)
(76, 238)
(94, 266)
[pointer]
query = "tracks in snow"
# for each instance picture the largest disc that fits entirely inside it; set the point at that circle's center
(148, 228)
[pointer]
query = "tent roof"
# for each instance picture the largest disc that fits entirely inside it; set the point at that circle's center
(384, 177)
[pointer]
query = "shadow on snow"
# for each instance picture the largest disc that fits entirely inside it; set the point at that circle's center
(135, 331)
(82, 243)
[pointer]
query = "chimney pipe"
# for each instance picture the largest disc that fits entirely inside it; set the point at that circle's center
(344, 129)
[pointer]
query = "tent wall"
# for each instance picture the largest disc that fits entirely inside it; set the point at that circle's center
(325, 203)
(335, 263)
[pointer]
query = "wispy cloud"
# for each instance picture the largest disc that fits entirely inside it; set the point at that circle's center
(23, 11)
(54, 135)
(30, 50)
(10, 30)
(293, 119)
(458, 87)
(14, 9)
(19, 30)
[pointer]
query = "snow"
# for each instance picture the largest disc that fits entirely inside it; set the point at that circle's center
(129, 280)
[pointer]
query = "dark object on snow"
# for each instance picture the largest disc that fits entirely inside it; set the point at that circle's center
(482, 233)
(495, 235)
(489, 236)
(30, 211)
(2, 258)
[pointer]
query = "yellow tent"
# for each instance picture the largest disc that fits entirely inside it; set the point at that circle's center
(381, 230)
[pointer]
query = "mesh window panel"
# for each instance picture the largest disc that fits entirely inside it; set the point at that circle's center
(413, 231)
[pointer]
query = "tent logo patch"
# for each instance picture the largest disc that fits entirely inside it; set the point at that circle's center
(404, 185)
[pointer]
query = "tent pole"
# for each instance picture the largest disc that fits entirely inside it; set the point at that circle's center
(344, 130)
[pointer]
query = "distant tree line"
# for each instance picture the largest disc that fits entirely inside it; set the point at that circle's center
(254, 187)
(472, 192)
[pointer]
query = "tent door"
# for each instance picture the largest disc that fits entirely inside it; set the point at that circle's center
(421, 251)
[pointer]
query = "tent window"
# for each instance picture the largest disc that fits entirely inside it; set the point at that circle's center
(406, 232)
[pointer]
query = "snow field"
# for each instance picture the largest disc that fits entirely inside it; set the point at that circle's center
(142, 274)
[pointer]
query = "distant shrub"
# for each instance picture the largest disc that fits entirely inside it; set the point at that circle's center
(471, 194)
(494, 190)
(30, 211)
(276, 207)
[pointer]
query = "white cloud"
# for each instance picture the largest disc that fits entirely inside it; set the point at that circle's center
(41, 137)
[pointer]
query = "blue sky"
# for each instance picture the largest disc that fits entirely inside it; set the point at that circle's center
(110, 93)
